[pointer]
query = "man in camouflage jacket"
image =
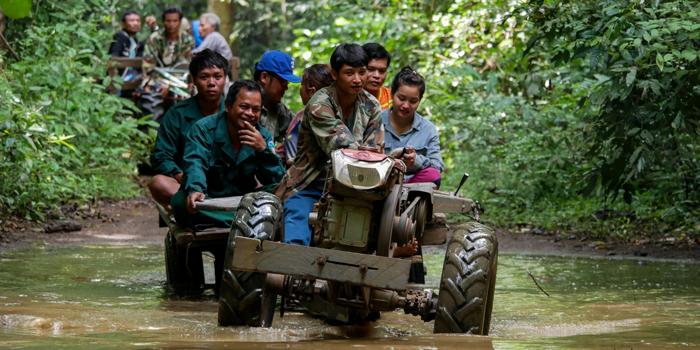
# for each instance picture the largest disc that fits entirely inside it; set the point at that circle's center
(342, 115)
(171, 46)
(274, 72)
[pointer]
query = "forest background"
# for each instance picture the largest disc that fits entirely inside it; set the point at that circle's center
(569, 116)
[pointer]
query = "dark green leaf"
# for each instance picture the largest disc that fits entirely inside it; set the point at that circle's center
(16, 9)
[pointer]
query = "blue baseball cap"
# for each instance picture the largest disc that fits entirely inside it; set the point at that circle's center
(280, 63)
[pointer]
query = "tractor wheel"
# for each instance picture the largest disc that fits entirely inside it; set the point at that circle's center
(183, 268)
(468, 280)
(241, 294)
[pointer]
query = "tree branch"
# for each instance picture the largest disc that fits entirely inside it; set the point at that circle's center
(7, 44)
(537, 284)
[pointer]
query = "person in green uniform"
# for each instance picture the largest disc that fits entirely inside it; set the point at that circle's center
(209, 71)
(227, 154)
(274, 72)
(342, 115)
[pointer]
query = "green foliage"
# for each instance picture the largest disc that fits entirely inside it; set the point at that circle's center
(259, 26)
(16, 9)
(497, 121)
(64, 138)
(555, 108)
(640, 62)
(551, 106)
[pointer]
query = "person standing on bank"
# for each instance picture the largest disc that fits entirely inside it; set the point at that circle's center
(379, 60)
(227, 154)
(410, 136)
(342, 115)
(274, 72)
(209, 71)
(209, 25)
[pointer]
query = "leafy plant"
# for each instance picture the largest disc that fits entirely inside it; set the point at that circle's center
(640, 63)
(553, 107)
(16, 8)
(64, 137)
(557, 109)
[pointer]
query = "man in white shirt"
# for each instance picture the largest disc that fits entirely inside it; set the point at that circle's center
(209, 24)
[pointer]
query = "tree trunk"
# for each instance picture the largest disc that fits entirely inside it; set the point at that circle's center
(2, 22)
(223, 9)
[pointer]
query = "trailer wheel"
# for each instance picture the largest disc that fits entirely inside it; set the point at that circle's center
(183, 268)
(468, 280)
(241, 294)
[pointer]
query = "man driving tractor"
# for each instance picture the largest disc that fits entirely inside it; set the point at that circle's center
(342, 115)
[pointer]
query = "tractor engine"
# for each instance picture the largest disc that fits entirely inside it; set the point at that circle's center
(348, 212)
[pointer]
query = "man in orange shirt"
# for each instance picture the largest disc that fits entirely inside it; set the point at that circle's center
(379, 60)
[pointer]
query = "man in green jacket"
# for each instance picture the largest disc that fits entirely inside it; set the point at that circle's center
(209, 71)
(227, 154)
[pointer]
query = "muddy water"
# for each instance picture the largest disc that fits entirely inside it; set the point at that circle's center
(106, 297)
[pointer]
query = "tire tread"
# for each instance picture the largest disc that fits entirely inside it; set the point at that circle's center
(240, 298)
(465, 299)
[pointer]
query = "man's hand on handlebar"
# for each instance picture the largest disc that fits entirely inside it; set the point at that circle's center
(192, 200)
(409, 156)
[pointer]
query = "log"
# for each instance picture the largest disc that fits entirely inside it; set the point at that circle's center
(124, 62)
(62, 226)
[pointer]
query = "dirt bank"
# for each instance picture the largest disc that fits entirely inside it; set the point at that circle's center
(135, 221)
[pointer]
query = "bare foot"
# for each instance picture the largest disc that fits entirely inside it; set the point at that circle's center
(406, 250)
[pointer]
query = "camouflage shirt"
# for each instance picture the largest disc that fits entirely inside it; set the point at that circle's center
(168, 53)
(324, 130)
(276, 120)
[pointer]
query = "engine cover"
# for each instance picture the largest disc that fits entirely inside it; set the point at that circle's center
(347, 223)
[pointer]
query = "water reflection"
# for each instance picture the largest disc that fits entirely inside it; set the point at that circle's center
(596, 303)
(108, 297)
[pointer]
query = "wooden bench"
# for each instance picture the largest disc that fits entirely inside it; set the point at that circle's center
(185, 247)
(184, 235)
(116, 63)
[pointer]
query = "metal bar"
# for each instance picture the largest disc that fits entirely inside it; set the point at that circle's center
(444, 202)
(464, 179)
(327, 264)
(220, 204)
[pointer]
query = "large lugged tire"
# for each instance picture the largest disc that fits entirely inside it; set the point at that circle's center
(468, 282)
(241, 294)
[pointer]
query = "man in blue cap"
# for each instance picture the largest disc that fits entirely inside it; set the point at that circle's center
(273, 72)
